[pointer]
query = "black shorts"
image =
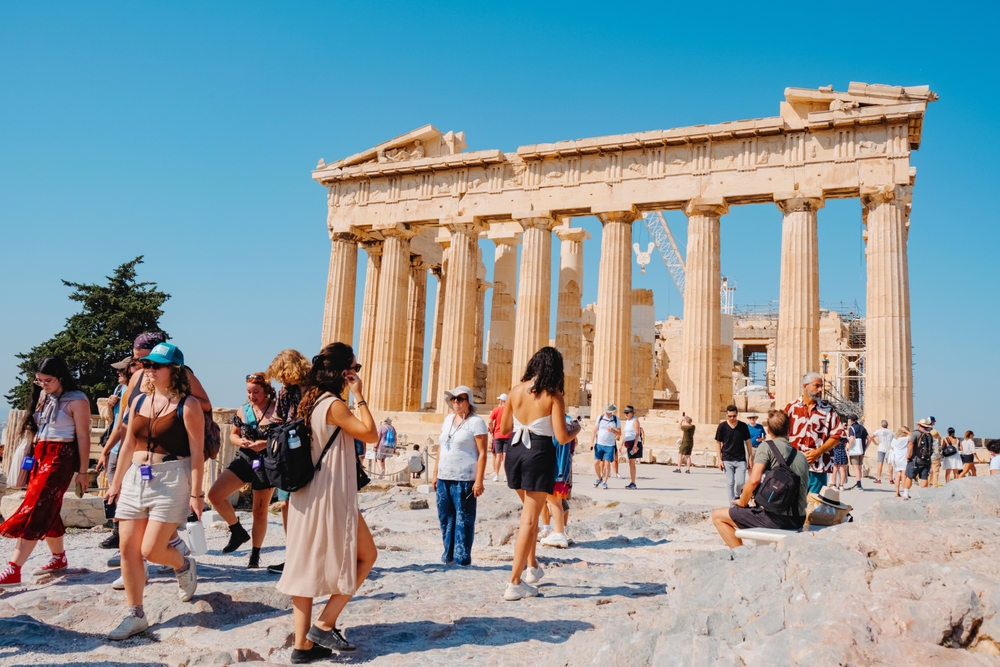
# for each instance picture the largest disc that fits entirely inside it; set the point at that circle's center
(758, 517)
(914, 470)
(968, 458)
(501, 445)
(628, 450)
(242, 467)
(532, 469)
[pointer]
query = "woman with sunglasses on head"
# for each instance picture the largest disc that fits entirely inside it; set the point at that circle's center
(329, 549)
(536, 413)
(457, 475)
(250, 426)
(165, 445)
(60, 428)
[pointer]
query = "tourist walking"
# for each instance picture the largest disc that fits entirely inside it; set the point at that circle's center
(607, 430)
(900, 445)
(951, 458)
(501, 440)
(330, 550)
(109, 454)
(733, 449)
(815, 429)
(632, 442)
(756, 431)
(290, 368)
(386, 446)
(59, 426)
(250, 426)
(840, 464)
(457, 475)
(556, 508)
(162, 485)
(535, 413)
(883, 438)
(857, 441)
(785, 513)
(685, 444)
(920, 448)
(967, 450)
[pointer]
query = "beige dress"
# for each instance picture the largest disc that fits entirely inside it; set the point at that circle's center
(321, 556)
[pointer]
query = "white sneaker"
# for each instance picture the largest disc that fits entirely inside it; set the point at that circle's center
(906, 494)
(496, 478)
(516, 592)
(119, 583)
(558, 540)
(129, 626)
(188, 581)
(543, 532)
(617, 476)
(532, 575)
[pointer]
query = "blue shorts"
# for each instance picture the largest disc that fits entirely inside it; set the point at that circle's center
(604, 453)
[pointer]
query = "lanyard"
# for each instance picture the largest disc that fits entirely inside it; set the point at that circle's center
(150, 446)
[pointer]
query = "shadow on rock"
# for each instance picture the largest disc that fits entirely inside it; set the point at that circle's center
(31, 636)
(429, 568)
(629, 590)
(417, 636)
(224, 611)
(618, 542)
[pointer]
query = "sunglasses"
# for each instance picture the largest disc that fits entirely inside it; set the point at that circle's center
(460, 398)
(355, 368)
(152, 365)
(256, 377)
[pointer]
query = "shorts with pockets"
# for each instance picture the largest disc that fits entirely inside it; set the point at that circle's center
(501, 445)
(968, 458)
(628, 450)
(881, 457)
(758, 517)
(532, 469)
(242, 467)
(604, 453)
(914, 470)
(165, 498)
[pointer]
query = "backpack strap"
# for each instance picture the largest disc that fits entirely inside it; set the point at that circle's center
(329, 443)
(777, 454)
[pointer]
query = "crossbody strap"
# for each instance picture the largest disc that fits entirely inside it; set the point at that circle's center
(777, 454)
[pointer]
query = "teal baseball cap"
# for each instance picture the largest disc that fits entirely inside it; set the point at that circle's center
(165, 353)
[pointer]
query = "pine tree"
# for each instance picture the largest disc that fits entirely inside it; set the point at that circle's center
(100, 334)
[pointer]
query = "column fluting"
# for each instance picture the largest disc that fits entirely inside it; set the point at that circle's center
(569, 308)
(338, 313)
(613, 330)
(416, 310)
(458, 357)
(389, 349)
(534, 289)
(364, 350)
(500, 345)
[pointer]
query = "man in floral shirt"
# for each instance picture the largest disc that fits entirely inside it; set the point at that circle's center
(815, 429)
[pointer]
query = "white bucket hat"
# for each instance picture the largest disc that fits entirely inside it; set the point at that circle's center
(458, 391)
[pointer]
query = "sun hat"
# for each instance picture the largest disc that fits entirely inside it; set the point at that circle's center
(387, 420)
(829, 496)
(502, 397)
(123, 364)
(610, 407)
(458, 391)
(925, 423)
(166, 353)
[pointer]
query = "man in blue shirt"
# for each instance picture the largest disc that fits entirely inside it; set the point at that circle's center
(756, 431)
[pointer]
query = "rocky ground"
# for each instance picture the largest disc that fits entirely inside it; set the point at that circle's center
(646, 583)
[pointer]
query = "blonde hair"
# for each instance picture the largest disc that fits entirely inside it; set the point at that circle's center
(902, 431)
(290, 367)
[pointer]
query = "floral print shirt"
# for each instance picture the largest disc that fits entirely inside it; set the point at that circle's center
(812, 425)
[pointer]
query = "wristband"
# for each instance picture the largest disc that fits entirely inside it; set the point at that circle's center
(360, 403)
(201, 496)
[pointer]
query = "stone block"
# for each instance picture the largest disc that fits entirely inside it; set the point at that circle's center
(416, 504)
(423, 488)
(85, 512)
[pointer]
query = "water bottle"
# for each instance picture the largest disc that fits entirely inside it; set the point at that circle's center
(196, 536)
(293, 440)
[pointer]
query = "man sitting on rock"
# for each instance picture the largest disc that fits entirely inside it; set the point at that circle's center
(771, 511)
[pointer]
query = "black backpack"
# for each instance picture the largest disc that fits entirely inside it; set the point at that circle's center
(291, 469)
(924, 450)
(779, 491)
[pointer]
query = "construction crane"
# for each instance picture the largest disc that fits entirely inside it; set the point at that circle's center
(659, 232)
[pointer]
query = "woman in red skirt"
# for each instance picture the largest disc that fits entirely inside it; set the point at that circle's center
(60, 428)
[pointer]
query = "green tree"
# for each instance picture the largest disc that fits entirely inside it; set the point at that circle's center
(110, 318)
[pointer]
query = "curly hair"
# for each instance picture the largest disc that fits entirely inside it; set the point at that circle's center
(180, 385)
(326, 375)
(290, 367)
(546, 369)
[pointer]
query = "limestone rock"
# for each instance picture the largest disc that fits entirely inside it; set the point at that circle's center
(415, 504)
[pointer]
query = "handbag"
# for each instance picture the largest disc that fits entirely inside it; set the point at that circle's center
(23, 449)
(949, 450)
(363, 478)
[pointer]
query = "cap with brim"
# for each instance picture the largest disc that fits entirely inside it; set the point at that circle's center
(123, 364)
(502, 397)
(829, 496)
(165, 353)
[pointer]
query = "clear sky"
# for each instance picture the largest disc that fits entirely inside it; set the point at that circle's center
(186, 132)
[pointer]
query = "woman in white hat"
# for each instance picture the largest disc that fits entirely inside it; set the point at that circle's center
(536, 413)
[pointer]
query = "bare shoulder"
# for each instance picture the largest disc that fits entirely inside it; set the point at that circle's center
(338, 412)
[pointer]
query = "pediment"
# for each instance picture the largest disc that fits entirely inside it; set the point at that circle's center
(423, 142)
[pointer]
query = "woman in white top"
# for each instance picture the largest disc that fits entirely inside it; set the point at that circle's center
(883, 437)
(951, 464)
(900, 445)
(631, 441)
(457, 475)
(967, 450)
(535, 412)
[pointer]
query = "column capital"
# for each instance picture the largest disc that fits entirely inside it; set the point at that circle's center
(628, 216)
(578, 234)
(714, 207)
(344, 237)
(512, 240)
(796, 202)
(399, 231)
(372, 246)
(535, 220)
(417, 263)
(468, 228)
(874, 195)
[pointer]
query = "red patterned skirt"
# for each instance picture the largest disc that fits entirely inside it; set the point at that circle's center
(56, 463)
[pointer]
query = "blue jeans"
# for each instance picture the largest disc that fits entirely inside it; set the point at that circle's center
(457, 513)
(736, 476)
(817, 480)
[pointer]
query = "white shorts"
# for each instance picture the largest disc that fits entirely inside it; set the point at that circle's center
(165, 498)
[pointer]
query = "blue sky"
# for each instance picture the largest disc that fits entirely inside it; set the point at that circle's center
(186, 132)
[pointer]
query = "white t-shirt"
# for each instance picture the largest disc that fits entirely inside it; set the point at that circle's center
(459, 455)
(605, 437)
(968, 447)
(995, 464)
(884, 437)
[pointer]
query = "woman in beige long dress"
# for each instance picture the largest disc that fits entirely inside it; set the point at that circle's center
(330, 549)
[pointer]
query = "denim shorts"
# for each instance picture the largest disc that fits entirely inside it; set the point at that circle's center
(604, 453)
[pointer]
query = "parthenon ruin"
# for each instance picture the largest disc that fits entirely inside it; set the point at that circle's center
(419, 203)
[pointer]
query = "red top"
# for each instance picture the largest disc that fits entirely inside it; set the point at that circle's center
(810, 427)
(495, 416)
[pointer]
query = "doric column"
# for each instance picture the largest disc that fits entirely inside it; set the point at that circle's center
(643, 342)
(569, 327)
(500, 345)
(798, 301)
(389, 350)
(479, 386)
(434, 371)
(416, 309)
(613, 332)
(364, 350)
(889, 355)
(700, 390)
(534, 289)
(338, 313)
(588, 320)
(458, 350)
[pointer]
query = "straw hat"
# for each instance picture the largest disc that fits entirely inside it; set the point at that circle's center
(829, 496)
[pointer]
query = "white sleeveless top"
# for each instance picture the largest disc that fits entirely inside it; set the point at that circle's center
(541, 426)
(628, 430)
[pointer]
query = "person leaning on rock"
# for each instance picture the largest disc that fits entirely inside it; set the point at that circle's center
(740, 515)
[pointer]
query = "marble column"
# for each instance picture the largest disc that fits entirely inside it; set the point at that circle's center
(364, 350)
(500, 349)
(416, 309)
(434, 370)
(479, 385)
(338, 313)
(613, 331)
(589, 321)
(889, 355)
(569, 310)
(534, 289)
(700, 393)
(389, 349)
(797, 348)
(643, 343)
(458, 350)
